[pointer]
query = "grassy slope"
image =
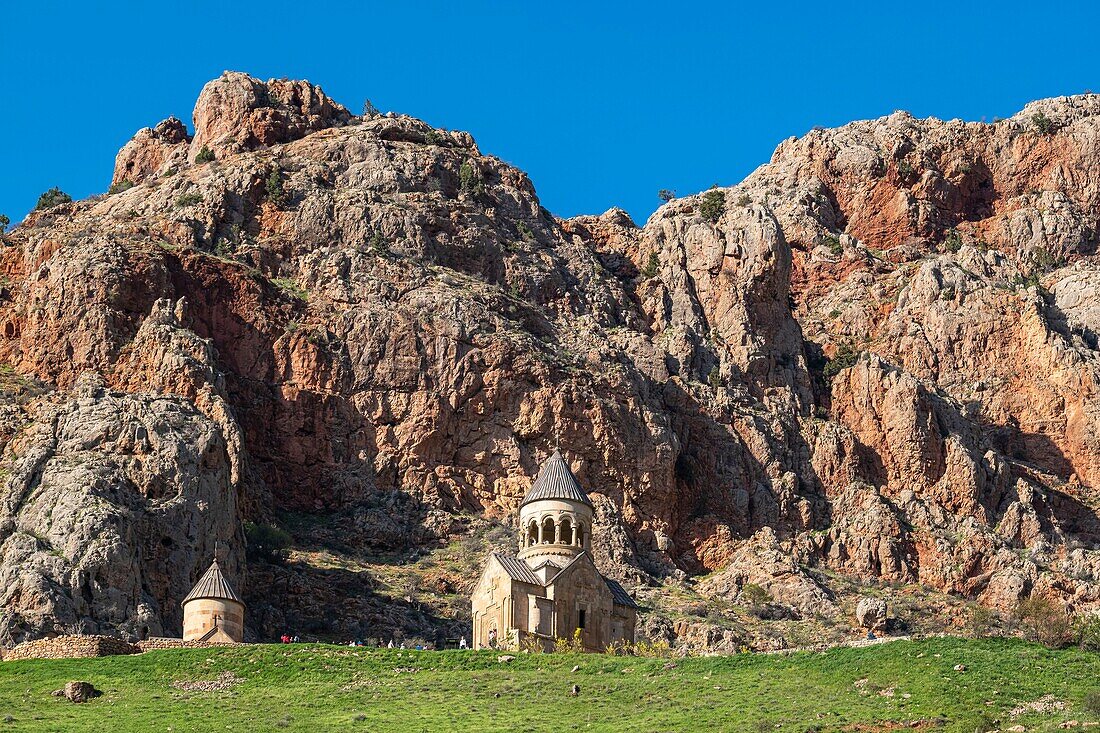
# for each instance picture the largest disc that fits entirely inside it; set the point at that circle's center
(313, 687)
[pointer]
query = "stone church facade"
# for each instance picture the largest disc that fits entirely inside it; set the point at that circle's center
(551, 589)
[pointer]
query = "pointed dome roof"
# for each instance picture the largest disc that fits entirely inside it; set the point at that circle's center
(213, 585)
(556, 481)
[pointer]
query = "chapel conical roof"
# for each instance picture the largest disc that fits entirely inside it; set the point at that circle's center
(213, 584)
(556, 481)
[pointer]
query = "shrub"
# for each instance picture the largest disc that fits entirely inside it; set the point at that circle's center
(651, 265)
(369, 110)
(832, 241)
(953, 241)
(120, 187)
(267, 542)
(712, 205)
(205, 155)
(755, 595)
(525, 231)
(1091, 703)
(743, 200)
(1086, 630)
(845, 357)
(980, 621)
(714, 379)
(1043, 261)
(666, 194)
(906, 170)
(4, 222)
(1043, 619)
(1043, 124)
(433, 137)
(188, 199)
(54, 197)
(290, 287)
(469, 178)
(276, 194)
(378, 244)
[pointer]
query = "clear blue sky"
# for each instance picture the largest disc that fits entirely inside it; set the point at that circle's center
(602, 103)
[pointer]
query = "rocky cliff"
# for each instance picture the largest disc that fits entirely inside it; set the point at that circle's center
(874, 359)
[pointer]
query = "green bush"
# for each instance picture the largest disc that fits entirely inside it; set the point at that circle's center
(1043, 619)
(651, 265)
(378, 244)
(433, 137)
(1043, 261)
(469, 178)
(54, 197)
(1086, 629)
(276, 194)
(953, 241)
(755, 595)
(906, 170)
(743, 200)
(1043, 124)
(712, 205)
(832, 241)
(844, 358)
(4, 222)
(267, 542)
(205, 155)
(188, 199)
(666, 194)
(714, 379)
(120, 187)
(369, 110)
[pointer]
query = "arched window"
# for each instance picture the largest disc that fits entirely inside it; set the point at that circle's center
(533, 533)
(566, 532)
(547, 530)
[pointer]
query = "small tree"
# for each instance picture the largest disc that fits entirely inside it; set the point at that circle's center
(205, 155)
(4, 222)
(469, 178)
(51, 198)
(651, 265)
(267, 542)
(276, 194)
(666, 194)
(1043, 124)
(369, 110)
(1043, 619)
(712, 205)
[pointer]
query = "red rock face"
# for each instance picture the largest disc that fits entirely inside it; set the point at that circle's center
(370, 308)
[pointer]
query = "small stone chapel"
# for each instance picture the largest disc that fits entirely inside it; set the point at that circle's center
(552, 588)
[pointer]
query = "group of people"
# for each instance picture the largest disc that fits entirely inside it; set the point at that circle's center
(288, 639)
(401, 644)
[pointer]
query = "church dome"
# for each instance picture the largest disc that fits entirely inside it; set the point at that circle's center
(214, 585)
(556, 481)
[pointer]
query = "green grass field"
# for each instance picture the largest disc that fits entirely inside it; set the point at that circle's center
(317, 687)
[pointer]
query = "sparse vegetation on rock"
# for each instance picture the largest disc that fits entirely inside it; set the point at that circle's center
(51, 198)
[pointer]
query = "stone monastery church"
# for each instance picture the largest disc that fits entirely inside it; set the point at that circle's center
(552, 588)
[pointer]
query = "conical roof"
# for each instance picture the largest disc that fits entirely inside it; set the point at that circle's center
(556, 481)
(213, 585)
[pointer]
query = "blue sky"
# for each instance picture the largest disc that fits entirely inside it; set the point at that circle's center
(601, 103)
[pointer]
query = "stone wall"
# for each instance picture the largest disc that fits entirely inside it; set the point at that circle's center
(67, 647)
(162, 642)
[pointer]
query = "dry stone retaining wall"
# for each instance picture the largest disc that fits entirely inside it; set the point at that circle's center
(67, 647)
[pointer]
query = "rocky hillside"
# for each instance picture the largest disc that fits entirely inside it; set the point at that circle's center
(874, 359)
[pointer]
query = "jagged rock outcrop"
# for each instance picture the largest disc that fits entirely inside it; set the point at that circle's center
(236, 112)
(876, 356)
(152, 151)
